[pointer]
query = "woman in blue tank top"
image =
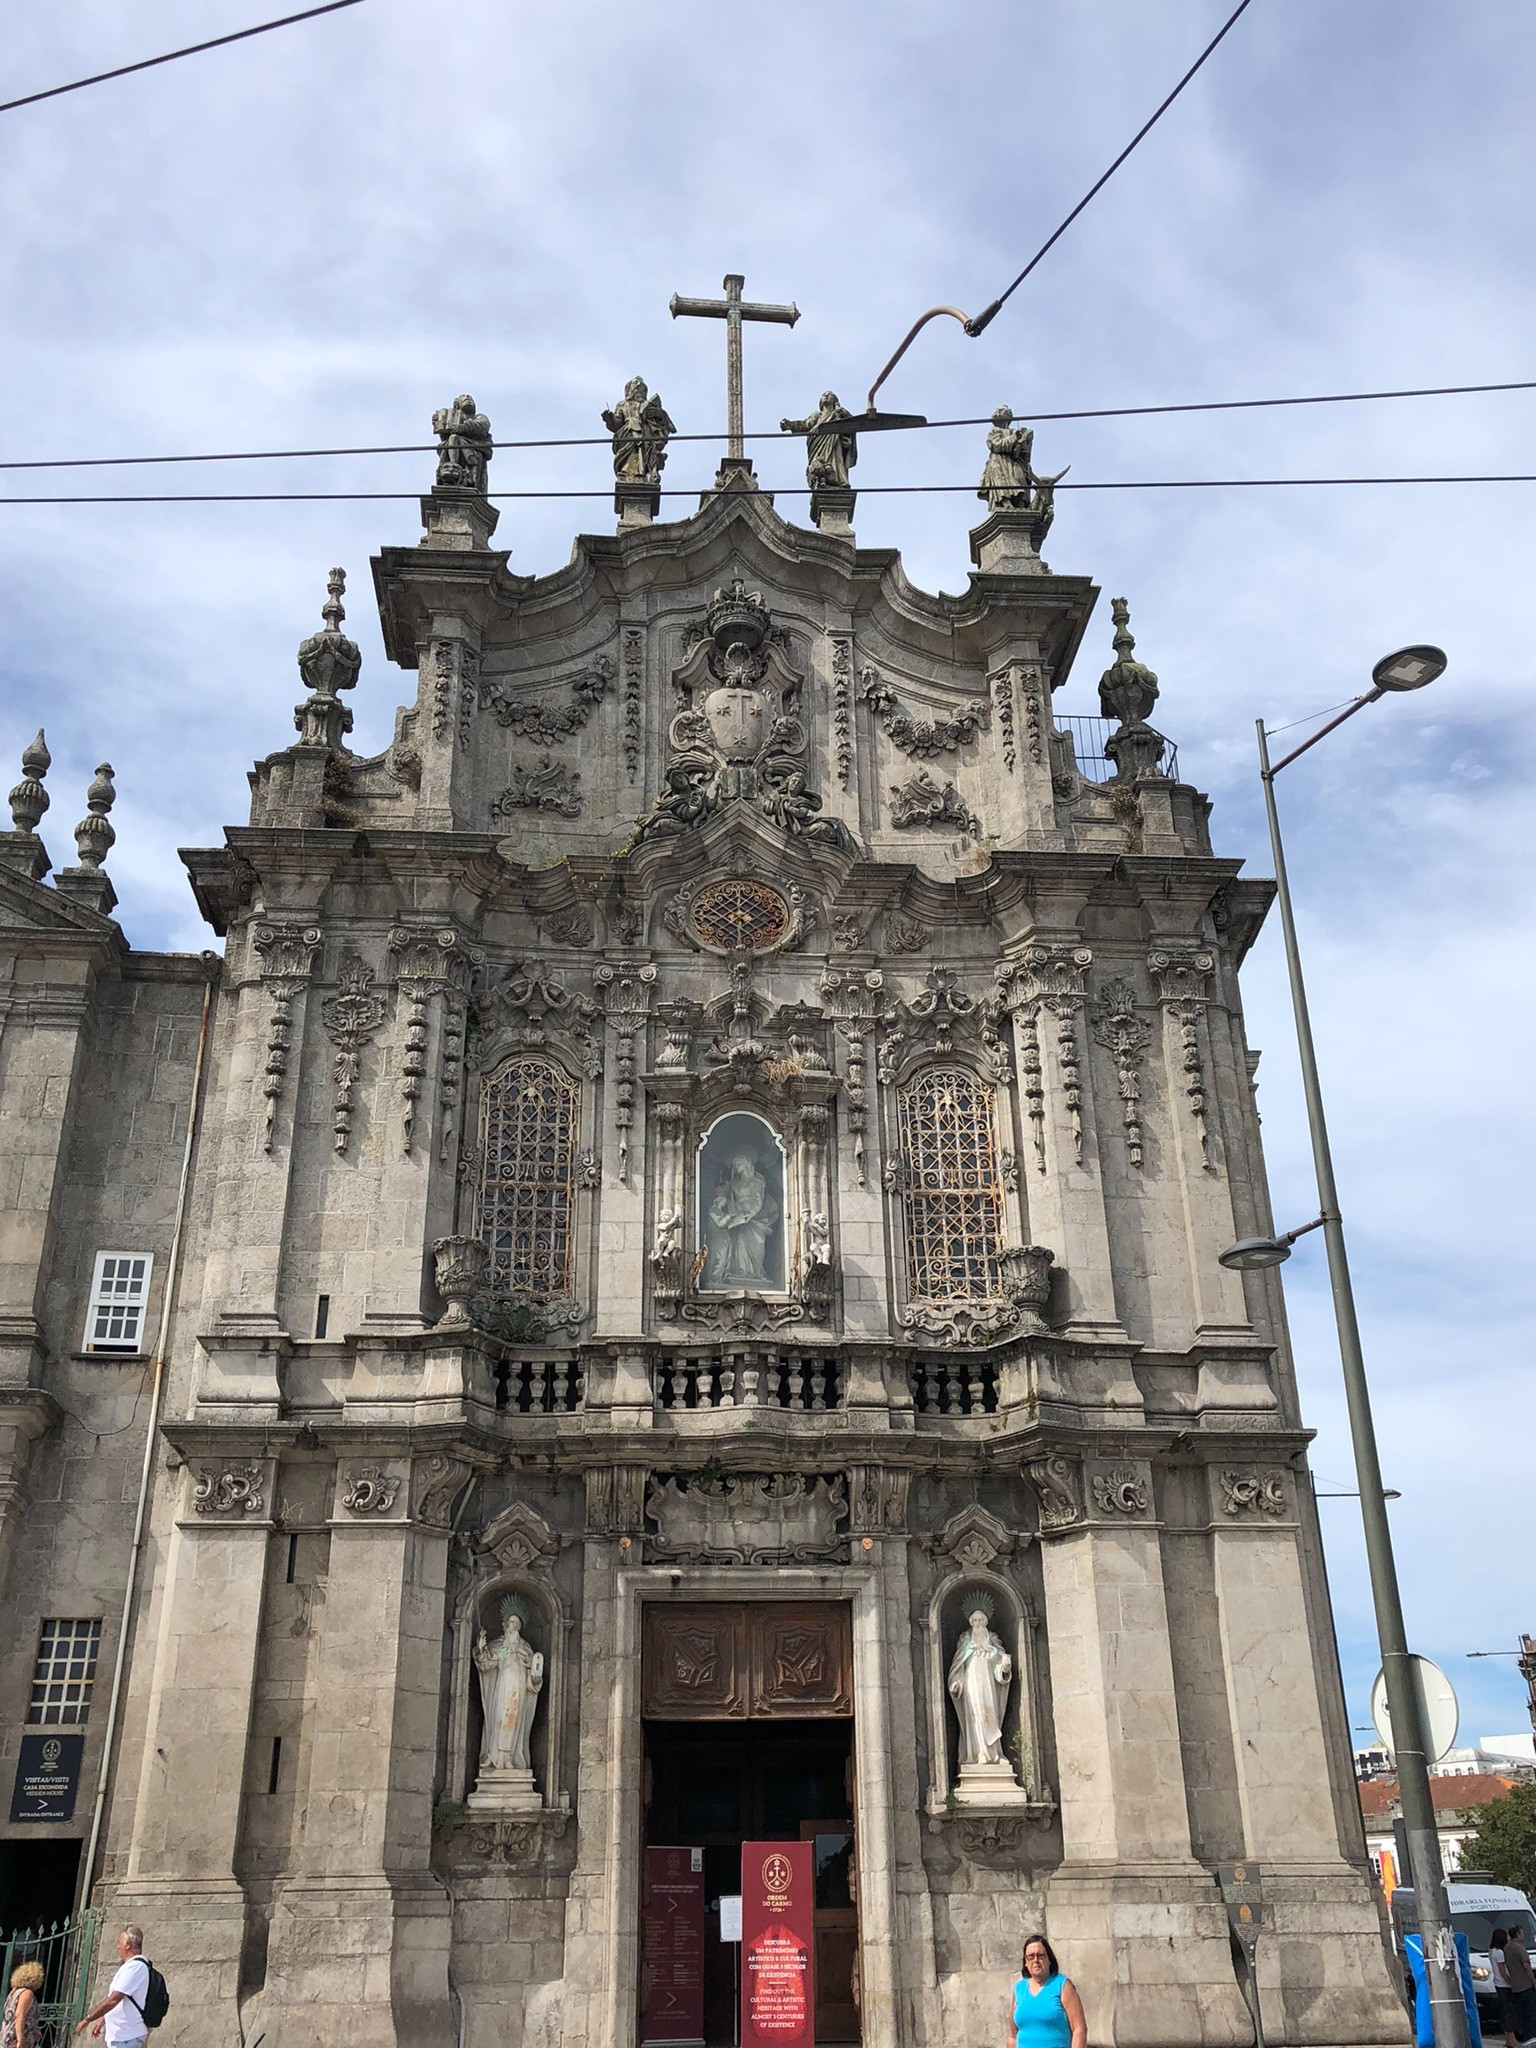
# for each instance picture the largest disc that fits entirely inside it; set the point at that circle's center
(1047, 2012)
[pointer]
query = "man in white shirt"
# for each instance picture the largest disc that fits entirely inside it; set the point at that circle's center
(120, 2015)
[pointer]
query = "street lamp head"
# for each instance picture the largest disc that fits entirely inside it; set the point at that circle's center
(1409, 669)
(1255, 1254)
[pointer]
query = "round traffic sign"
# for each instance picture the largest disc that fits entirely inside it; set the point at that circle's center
(1437, 1708)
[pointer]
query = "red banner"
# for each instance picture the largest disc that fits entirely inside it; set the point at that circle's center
(672, 1947)
(778, 1930)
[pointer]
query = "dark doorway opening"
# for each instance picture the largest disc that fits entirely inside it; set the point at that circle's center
(713, 1785)
(37, 1882)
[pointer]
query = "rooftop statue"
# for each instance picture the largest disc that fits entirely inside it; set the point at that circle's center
(1007, 479)
(640, 429)
(831, 449)
(463, 445)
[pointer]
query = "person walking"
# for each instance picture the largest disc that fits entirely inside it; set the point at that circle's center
(22, 2026)
(119, 2018)
(1522, 1985)
(1503, 1997)
(1047, 2012)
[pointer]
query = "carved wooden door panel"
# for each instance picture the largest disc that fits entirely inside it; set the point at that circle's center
(747, 1660)
(694, 1663)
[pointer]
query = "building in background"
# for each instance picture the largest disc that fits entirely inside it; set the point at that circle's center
(694, 1315)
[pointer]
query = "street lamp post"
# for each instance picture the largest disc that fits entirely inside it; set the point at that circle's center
(1410, 669)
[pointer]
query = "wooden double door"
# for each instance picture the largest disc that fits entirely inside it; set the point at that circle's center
(749, 1737)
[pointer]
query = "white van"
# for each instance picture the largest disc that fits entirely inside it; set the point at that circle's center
(1478, 1905)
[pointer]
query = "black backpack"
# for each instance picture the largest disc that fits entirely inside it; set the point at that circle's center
(157, 1999)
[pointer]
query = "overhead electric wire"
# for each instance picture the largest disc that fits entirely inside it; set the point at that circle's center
(1102, 412)
(242, 35)
(982, 319)
(1183, 483)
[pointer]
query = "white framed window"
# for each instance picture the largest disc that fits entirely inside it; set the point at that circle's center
(64, 1673)
(119, 1298)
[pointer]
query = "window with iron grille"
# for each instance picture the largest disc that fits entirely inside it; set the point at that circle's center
(951, 1189)
(64, 1673)
(119, 1299)
(529, 1115)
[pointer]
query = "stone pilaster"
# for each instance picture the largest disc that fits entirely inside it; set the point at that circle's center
(179, 1875)
(1182, 976)
(43, 1033)
(358, 1954)
(244, 1341)
(1044, 987)
(1310, 1958)
(1139, 1917)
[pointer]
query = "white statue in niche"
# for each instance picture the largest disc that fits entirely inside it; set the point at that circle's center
(980, 1680)
(741, 1199)
(511, 1674)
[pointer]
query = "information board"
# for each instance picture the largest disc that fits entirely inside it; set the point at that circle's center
(47, 1777)
(778, 1904)
(672, 1949)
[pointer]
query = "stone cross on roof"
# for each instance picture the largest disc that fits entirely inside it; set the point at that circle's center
(733, 309)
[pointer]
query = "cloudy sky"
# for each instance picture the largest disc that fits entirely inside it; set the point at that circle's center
(314, 238)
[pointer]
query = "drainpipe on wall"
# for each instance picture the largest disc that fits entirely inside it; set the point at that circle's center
(146, 1475)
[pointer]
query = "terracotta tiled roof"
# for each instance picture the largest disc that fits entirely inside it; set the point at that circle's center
(1378, 1796)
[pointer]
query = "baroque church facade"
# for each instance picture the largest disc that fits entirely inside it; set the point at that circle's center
(663, 1285)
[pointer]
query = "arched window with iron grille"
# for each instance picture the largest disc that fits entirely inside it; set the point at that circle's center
(529, 1119)
(951, 1189)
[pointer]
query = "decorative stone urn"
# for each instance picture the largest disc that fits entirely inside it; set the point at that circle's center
(462, 1264)
(1026, 1276)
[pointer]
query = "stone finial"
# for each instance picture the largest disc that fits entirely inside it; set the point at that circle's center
(328, 662)
(94, 836)
(1127, 692)
(29, 799)
(1127, 688)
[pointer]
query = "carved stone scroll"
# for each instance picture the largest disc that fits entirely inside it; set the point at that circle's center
(429, 963)
(1057, 1482)
(1183, 981)
(1249, 1492)
(287, 954)
(1002, 698)
(230, 1490)
(1121, 1490)
(842, 706)
(855, 1000)
(634, 697)
(1049, 981)
(626, 998)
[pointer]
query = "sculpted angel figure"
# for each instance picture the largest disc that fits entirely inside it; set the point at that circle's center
(1006, 480)
(668, 1246)
(980, 1675)
(741, 1219)
(640, 430)
(463, 444)
(511, 1675)
(830, 450)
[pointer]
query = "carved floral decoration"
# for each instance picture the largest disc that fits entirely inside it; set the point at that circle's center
(351, 1018)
